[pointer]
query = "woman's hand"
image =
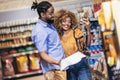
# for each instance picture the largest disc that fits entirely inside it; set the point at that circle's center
(87, 23)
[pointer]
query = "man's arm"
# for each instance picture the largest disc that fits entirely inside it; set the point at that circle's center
(48, 59)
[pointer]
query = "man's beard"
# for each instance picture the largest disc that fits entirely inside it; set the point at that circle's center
(50, 21)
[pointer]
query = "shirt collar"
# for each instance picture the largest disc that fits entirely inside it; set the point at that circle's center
(42, 23)
(45, 24)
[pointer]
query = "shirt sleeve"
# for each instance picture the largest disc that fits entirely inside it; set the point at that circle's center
(81, 40)
(39, 37)
(78, 33)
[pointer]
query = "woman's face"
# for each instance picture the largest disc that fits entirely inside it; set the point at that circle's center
(66, 23)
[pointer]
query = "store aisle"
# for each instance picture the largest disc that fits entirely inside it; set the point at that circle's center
(39, 77)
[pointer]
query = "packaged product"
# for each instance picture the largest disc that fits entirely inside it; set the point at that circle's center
(22, 63)
(8, 69)
(34, 61)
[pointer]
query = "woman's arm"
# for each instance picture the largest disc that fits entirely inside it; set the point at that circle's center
(88, 38)
(87, 24)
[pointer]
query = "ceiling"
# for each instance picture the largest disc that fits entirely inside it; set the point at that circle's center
(6, 5)
(18, 11)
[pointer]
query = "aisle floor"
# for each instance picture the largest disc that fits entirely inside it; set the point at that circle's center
(39, 77)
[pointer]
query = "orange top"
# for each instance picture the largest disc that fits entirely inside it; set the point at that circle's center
(69, 43)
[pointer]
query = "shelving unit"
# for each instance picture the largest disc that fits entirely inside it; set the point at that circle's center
(18, 76)
(97, 59)
(23, 53)
(110, 36)
(15, 45)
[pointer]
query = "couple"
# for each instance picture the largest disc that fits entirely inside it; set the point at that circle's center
(56, 43)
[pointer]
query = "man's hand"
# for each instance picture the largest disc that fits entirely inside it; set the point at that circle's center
(59, 62)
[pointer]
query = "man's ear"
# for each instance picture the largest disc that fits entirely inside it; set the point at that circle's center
(42, 14)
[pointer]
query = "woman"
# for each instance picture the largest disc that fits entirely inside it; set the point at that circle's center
(65, 22)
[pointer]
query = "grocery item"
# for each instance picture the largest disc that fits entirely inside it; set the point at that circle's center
(22, 63)
(8, 69)
(34, 61)
(20, 50)
(13, 51)
(30, 48)
(107, 11)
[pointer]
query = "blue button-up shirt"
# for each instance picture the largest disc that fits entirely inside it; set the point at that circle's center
(46, 38)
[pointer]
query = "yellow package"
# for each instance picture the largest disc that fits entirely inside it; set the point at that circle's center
(34, 62)
(101, 18)
(22, 63)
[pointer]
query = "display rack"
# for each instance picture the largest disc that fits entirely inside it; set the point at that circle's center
(97, 59)
(110, 36)
(20, 76)
(16, 47)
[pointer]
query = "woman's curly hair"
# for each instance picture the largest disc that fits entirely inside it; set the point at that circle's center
(60, 16)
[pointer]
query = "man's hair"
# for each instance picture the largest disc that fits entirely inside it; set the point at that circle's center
(41, 7)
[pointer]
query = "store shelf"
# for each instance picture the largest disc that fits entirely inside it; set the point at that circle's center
(10, 32)
(96, 55)
(23, 53)
(22, 75)
(18, 23)
(15, 38)
(93, 19)
(18, 45)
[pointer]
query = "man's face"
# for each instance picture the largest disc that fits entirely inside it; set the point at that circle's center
(50, 15)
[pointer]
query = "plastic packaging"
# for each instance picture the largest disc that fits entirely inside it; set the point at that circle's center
(22, 63)
(34, 61)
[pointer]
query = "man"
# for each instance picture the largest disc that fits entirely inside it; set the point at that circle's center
(47, 41)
